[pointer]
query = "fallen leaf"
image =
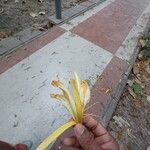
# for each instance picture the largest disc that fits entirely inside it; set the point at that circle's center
(147, 66)
(107, 90)
(131, 93)
(138, 81)
(33, 15)
(2, 10)
(4, 35)
(142, 42)
(119, 136)
(140, 64)
(41, 29)
(129, 132)
(41, 13)
(148, 98)
(16, 1)
(138, 76)
(136, 69)
(140, 56)
(120, 121)
(137, 88)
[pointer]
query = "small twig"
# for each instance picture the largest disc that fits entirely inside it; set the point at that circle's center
(91, 115)
(1, 11)
(91, 106)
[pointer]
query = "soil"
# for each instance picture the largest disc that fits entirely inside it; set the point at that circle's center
(136, 135)
(17, 15)
(130, 124)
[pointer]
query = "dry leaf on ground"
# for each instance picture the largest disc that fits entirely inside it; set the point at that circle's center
(140, 56)
(42, 13)
(147, 66)
(138, 81)
(33, 15)
(120, 121)
(142, 42)
(140, 64)
(1, 10)
(4, 35)
(131, 92)
(107, 90)
(129, 132)
(148, 98)
(136, 70)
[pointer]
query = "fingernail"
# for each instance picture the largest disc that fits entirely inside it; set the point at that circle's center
(79, 129)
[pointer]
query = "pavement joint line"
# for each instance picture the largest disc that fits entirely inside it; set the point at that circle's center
(124, 52)
(7, 44)
(73, 56)
(90, 42)
(13, 49)
(29, 48)
(80, 18)
(75, 13)
(120, 87)
(37, 34)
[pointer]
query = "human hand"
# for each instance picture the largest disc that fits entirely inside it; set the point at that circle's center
(91, 136)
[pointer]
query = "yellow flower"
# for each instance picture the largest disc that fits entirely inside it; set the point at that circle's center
(74, 100)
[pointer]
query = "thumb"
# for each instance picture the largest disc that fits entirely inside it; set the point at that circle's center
(84, 136)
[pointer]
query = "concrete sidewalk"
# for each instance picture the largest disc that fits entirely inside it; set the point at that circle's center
(98, 44)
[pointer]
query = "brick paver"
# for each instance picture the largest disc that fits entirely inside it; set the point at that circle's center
(109, 27)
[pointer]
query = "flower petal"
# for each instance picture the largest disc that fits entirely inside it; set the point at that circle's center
(85, 92)
(67, 96)
(78, 81)
(78, 102)
(55, 134)
(64, 102)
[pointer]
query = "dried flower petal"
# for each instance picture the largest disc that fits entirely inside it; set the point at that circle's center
(74, 101)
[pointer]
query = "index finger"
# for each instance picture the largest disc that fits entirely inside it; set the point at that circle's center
(94, 126)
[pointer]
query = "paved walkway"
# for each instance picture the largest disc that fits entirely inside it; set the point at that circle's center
(98, 44)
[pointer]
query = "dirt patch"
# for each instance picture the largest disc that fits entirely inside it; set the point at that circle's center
(17, 15)
(130, 124)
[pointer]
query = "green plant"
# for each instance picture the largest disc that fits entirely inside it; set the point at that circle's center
(145, 44)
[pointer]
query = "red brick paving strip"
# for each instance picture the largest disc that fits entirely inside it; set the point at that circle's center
(109, 79)
(109, 27)
(107, 82)
(29, 48)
